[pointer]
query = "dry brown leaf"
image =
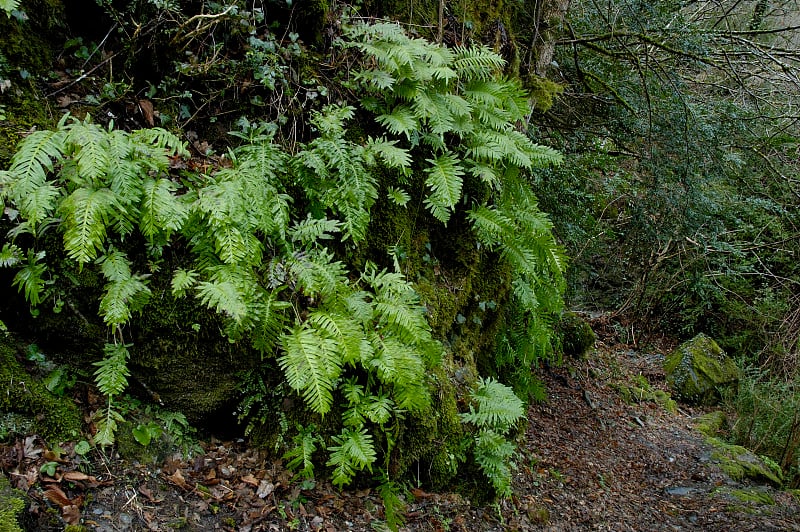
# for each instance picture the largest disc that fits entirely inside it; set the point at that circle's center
(265, 488)
(76, 476)
(250, 479)
(71, 514)
(177, 479)
(57, 497)
(146, 107)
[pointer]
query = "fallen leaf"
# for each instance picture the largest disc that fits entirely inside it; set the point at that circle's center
(250, 479)
(71, 514)
(265, 488)
(146, 107)
(177, 479)
(76, 476)
(57, 497)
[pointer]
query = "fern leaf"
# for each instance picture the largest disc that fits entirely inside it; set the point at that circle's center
(33, 161)
(270, 315)
(182, 280)
(224, 297)
(354, 452)
(398, 196)
(317, 274)
(122, 297)
(495, 406)
(476, 62)
(160, 211)
(302, 453)
(376, 78)
(493, 453)
(111, 375)
(444, 180)
(161, 139)
(402, 120)
(29, 280)
(90, 143)
(491, 226)
(311, 367)
(10, 255)
(85, 214)
(346, 333)
(312, 229)
(106, 424)
(393, 156)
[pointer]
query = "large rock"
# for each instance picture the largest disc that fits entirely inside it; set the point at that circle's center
(698, 371)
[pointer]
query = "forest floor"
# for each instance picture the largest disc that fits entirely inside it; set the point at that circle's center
(588, 461)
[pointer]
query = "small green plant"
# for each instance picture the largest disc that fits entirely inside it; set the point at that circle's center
(494, 411)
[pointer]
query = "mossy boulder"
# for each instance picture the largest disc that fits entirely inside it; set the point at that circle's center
(739, 463)
(12, 507)
(54, 418)
(712, 423)
(576, 336)
(698, 371)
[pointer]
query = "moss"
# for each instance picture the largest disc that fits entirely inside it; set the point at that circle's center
(543, 92)
(698, 371)
(12, 506)
(575, 335)
(311, 17)
(712, 423)
(54, 418)
(754, 495)
(739, 463)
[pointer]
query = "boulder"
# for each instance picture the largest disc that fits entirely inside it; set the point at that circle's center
(698, 371)
(576, 336)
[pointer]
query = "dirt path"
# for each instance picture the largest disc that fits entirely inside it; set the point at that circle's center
(588, 461)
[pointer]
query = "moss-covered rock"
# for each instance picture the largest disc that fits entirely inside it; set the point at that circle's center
(739, 463)
(712, 423)
(54, 418)
(575, 335)
(698, 371)
(12, 507)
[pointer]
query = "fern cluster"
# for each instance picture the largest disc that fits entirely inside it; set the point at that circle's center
(258, 256)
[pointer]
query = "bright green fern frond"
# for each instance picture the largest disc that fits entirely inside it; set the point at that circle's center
(346, 333)
(402, 120)
(225, 297)
(115, 266)
(495, 406)
(493, 452)
(89, 141)
(378, 79)
(182, 280)
(310, 230)
(30, 166)
(476, 62)
(491, 225)
(398, 196)
(300, 458)
(85, 213)
(160, 210)
(160, 139)
(29, 279)
(311, 366)
(388, 151)
(355, 451)
(112, 371)
(444, 180)
(122, 297)
(10, 255)
(271, 319)
(317, 274)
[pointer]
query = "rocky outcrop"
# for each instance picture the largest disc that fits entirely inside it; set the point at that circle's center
(698, 371)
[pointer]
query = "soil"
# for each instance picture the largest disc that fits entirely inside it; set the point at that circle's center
(588, 460)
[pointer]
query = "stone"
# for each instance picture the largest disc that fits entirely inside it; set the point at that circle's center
(699, 372)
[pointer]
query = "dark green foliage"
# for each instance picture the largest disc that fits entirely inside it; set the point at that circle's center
(575, 335)
(55, 418)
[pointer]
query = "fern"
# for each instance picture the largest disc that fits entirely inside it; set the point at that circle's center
(29, 279)
(302, 453)
(495, 406)
(311, 366)
(355, 452)
(112, 371)
(444, 180)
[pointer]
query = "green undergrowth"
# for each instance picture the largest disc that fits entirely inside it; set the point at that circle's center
(35, 407)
